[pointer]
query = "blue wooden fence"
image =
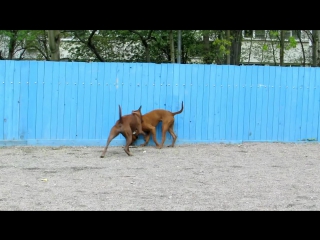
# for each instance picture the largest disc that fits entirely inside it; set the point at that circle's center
(76, 103)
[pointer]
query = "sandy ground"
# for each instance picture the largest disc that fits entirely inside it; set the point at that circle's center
(249, 176)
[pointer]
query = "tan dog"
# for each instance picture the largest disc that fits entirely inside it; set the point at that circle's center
(149, 122)
(126, 125)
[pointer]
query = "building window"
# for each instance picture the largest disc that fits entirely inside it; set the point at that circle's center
(273, 34)
(296, 33)
(261, 34)
(248, 33)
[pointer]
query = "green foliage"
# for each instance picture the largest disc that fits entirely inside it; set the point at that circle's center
(134, 45)
(292, 43)
(264, 47)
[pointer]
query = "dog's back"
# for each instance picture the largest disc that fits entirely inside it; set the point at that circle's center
(151, 119)
(155, 116)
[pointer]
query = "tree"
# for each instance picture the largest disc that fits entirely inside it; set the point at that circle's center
(171, 42)
(13, 43)
(281, 47)
(315, 47)
(235, 50)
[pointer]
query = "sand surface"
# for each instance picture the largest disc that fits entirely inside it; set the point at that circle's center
(248, 176)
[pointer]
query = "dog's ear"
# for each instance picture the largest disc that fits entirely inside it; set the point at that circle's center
(137, 111)
(120, 115)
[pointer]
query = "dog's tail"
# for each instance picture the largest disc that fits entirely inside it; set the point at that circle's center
(120, 115)
(174, 113)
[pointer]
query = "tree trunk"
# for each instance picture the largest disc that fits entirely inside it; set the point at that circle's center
(171, 46)
(147, 53)
(235, 51)
(315, 47)
(206, 47)
(179, 47)
(303, 53)
(229, 48)
(12, 44)
(54, 44)
(281, 47)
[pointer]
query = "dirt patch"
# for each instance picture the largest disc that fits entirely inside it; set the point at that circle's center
(249, 176)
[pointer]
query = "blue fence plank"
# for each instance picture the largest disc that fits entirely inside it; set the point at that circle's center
(47, 99)
(105, 128)
(282, 103)
(229, 104)
(289, 104)
(137, 90)
(270, 106)
(316, 107)
(176, 101)
(295, 105)
(81, 100)
(8, 101)
(24, 95)
(67, 103)
(127, 95)
(163, 88)
(299, 79)
(156, 87)
(264, 87)
(205, 101)
(32, 103)
(99, 100)
(259, 102)
(199, 99)
(41, 111)
(211, 101)
(247, 107)
(193, 98)
(87, 100)
(2, 96)
(182, 97)
(217, 102)
(253, 106)
(74, 100)
(93, 100)
(224, 102)
(267, 116)
(305, 94)
(145, 82)
(188, 105)
(235, 103)
(241, 102)
(61, 100)
(54, 100)
(277, 102)
(313, 106)
(16, 81)
(169, 86)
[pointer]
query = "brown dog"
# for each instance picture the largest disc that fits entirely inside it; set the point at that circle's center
(149, 122)
(126, 125)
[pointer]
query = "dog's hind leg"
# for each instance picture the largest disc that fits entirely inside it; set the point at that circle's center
(112, 135)
(174, 136)
(165, 127)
